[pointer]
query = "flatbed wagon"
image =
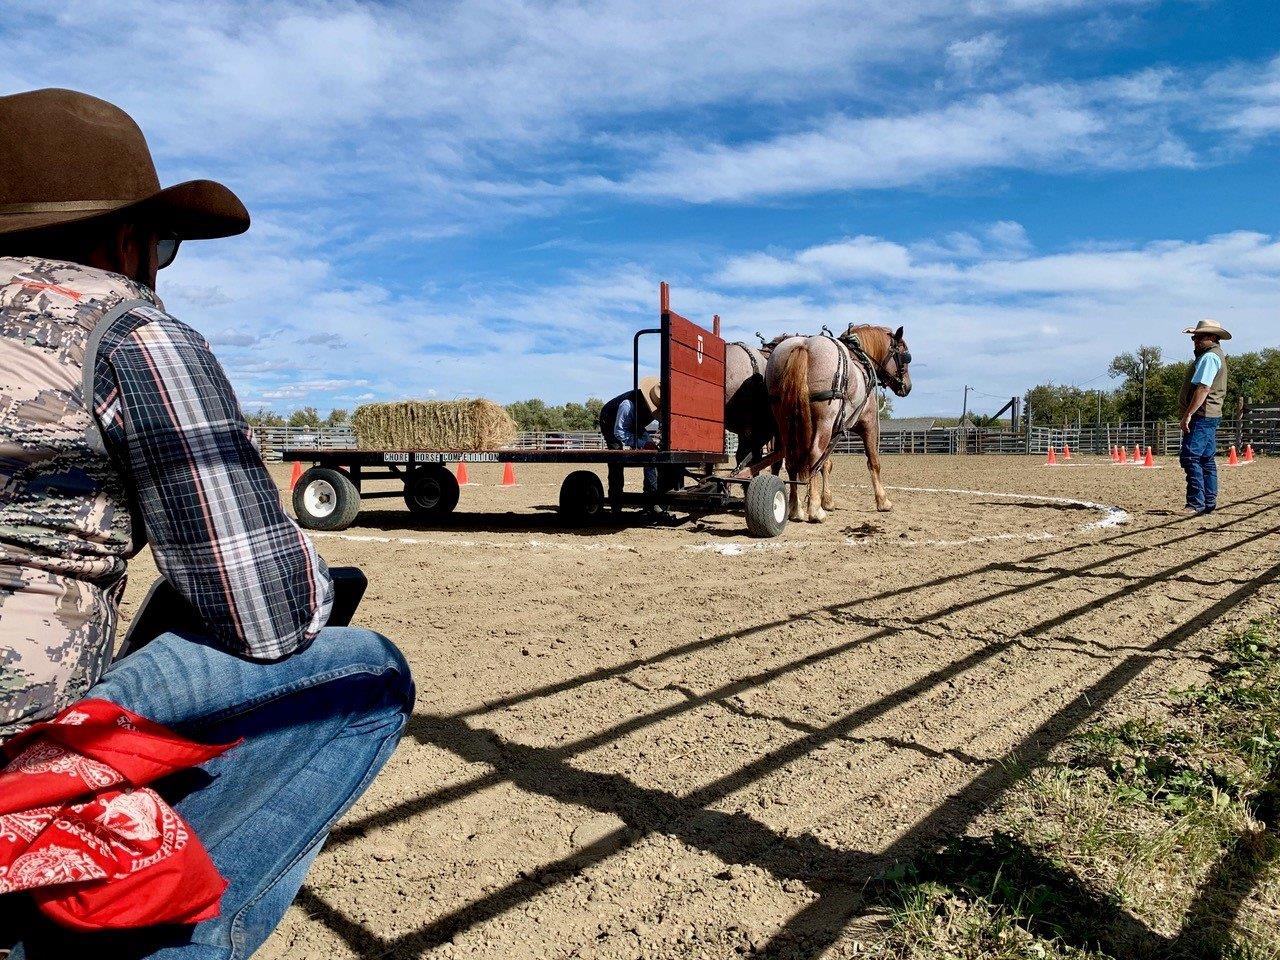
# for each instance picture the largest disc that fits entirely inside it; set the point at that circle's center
(329, 494)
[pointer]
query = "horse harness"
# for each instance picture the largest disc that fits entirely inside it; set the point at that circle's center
(756, 369)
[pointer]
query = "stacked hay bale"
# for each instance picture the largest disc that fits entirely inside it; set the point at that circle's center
(433, 425)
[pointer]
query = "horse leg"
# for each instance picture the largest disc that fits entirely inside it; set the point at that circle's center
(795, 513)
(821, 441)
(828, 498)
(869, 430)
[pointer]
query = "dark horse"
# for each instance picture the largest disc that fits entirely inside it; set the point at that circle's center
(822, 387)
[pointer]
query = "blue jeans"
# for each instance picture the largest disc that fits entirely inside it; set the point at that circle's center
(1199, 447)
(318, 727)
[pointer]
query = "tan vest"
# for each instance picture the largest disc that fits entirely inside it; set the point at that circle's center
(1212, 406)
(65, 526)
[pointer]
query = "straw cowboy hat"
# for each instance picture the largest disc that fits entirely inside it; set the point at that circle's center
(651, 393)
(1209, 326)
(69, 157)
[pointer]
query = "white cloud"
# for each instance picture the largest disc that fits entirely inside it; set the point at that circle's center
(971, 56)
(1054, 127)
(470, 112)
(1004, 316)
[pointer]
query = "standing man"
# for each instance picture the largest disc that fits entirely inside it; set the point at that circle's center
(1200, 402)
(118, 428)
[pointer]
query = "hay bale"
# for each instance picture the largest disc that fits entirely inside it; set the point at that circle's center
(433, 425)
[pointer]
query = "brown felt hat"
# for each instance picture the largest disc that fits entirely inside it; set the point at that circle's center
(67, 157)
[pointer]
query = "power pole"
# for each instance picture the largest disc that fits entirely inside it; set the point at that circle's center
(965, 412)
(1144, 399)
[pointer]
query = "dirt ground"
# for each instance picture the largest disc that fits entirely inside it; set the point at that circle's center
(682, 742)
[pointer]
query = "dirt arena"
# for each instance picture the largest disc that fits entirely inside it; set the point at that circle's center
(682, 742)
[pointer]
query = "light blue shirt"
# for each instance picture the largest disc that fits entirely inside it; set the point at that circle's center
(1207, 368)
(624, 426)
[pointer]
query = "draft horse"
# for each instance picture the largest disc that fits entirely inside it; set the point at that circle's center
(823, 386)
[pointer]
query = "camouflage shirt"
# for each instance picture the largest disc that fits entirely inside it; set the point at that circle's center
(117, 425)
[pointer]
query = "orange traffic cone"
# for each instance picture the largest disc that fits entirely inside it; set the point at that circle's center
(1052, 459)
(1066, 451)
(1123, 456)
(1233, 460)
(462, 473)
(508, 475)
(1248, 453)
(1150, 461)
(1137, 453)
(296, 474)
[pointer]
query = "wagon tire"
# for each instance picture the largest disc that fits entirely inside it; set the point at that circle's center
(325, 499)
(431, 491)
(582, 499)
(766, 506)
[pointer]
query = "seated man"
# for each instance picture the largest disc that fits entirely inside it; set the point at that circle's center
(119, 428)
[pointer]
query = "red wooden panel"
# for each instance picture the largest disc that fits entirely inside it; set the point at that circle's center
(695, 386)
(701, 436)
(692, 335)
(696, 398)
(685, 360)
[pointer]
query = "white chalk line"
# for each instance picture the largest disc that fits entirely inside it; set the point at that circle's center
(1114, 516)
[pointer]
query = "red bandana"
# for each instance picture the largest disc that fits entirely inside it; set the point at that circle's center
(79, 830)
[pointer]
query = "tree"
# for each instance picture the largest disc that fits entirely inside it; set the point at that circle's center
(337, 417)
(262, 417)
(1057, 404)
(537, 415)
(305, 417)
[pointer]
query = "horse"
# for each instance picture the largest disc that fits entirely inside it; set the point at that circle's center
(746, 401)
(823, 386)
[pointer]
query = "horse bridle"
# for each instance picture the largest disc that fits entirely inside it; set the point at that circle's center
(901, 357)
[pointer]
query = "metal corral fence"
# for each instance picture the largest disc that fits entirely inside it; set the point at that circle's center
(1259, 426)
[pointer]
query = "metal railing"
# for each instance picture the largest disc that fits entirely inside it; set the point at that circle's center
(1261, 427)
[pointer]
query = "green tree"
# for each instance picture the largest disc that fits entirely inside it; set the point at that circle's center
(262, 417)
(1056, 404)
(305, 417)
(336, 417)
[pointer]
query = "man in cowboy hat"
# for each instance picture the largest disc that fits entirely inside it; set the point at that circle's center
(623, 422)
(1200, 404)
(119, 428)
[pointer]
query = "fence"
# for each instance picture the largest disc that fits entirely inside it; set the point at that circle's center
(1259, 426)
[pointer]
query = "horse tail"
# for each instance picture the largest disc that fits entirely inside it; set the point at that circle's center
(795, 412)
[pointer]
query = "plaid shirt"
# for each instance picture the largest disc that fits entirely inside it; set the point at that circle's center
(211, 512)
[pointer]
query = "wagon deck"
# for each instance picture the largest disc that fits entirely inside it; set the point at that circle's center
(328, 495)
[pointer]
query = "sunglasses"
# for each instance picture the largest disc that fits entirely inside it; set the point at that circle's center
(166, 249)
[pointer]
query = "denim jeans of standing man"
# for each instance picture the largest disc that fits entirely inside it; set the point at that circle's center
(1199, 447)
(317, 728)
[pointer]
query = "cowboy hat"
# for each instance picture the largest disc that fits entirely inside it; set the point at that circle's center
(1211, 327)
(69, 157)
(651, 393)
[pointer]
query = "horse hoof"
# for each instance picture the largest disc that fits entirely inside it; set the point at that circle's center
(817, 516)
(884, 507)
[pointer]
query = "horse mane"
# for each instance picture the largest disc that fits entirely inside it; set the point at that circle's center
(876, 341)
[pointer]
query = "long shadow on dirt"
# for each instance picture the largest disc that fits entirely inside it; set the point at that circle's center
(841, 877)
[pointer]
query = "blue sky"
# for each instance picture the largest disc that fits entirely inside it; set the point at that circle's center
(480, 198)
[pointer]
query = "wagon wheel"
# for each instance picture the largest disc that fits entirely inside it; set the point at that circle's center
(431, 491)
(582, 499)
(766, 506)
(325, 499)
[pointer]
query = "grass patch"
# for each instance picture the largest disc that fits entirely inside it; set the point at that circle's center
(1148, 838)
